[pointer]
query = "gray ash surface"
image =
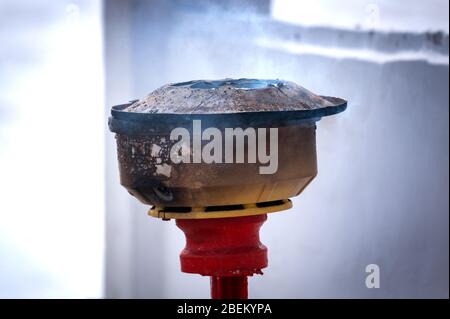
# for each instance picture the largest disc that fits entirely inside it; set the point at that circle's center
(229, 96)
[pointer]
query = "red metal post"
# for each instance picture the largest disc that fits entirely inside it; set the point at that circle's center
(229, 287)
(227, 249)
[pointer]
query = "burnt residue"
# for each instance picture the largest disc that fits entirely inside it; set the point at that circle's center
(229, 96)
(144, 156)
(149, 174)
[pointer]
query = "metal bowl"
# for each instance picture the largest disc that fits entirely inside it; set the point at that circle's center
(147, 172)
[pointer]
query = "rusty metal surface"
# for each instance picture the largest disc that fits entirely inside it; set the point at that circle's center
(146, 171)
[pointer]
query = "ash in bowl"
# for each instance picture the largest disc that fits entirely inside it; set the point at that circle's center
(230, 96)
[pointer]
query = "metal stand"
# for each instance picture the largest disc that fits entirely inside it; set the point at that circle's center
(227, 249)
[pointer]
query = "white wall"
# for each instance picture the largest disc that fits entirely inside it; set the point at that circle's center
(381, 195)
(51, 149)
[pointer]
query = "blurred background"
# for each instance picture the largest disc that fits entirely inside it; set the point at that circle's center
(69, 230)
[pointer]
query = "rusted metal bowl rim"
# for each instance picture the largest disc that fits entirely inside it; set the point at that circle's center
(133, 123)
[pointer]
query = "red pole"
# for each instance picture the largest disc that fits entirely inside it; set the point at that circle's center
(229, 287)
(226, 249)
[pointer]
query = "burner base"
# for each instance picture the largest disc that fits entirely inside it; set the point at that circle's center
(220, 211)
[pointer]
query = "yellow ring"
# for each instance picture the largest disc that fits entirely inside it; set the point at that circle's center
(199, 212)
